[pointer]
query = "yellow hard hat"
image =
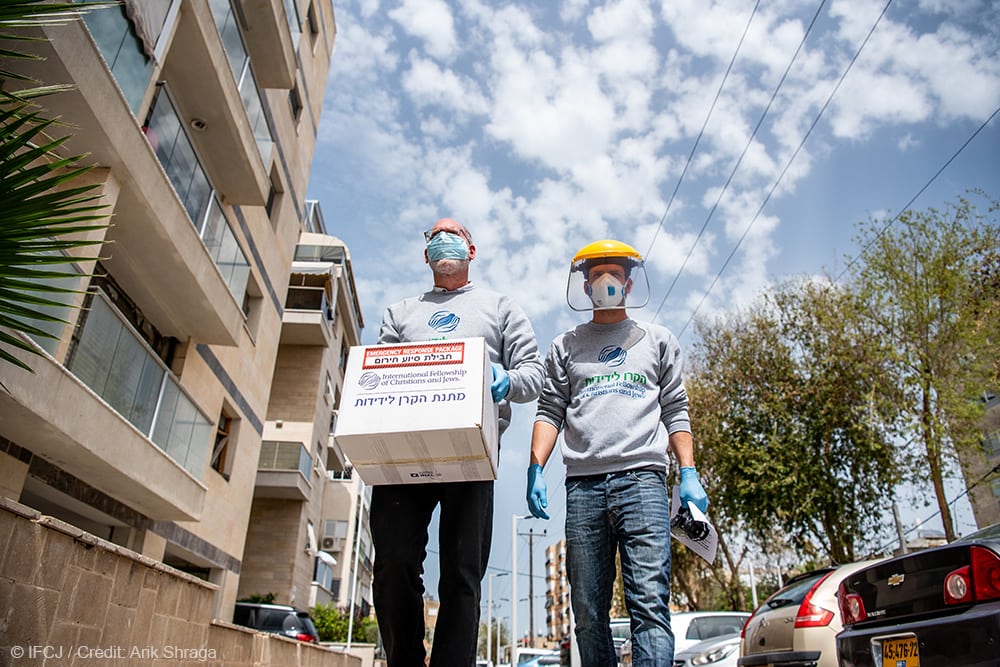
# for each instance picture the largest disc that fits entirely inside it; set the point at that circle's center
(605, 249)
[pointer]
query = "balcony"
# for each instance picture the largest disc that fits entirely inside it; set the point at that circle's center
(64, 421)
(156, 254)
(307, 317)
(269, 42)
(208, 99)
(283, 471)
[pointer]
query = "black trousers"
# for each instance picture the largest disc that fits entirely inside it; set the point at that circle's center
(400, 516)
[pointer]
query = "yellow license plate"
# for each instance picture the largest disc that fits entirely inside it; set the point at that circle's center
(900, 652)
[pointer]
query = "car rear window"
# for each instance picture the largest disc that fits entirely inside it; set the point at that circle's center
(795, 592)
(714, 626)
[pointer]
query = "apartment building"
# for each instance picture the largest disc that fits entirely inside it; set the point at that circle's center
(308, 505)
(557, 617)
(147, 419)
(979, 466)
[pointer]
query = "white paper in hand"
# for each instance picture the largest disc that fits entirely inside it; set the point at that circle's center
(707, 547)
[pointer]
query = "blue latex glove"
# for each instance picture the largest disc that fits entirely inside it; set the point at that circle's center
(537, 492)
(691, 490)
(501, 383)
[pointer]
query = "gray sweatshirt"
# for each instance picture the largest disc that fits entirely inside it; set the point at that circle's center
(471, 312)
(616, 391)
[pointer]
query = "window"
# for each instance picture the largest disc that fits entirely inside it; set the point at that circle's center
(225, 443)
(253, 305)
(225, 250)
(165, 133)
(311, 23)
(330, 392)
(991, 443)
(126, 50)
(294, 22)
(295, 102)
(274, 197)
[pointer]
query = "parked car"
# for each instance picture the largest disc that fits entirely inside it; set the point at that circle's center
(797, 625)
(278, 619)
(722, 651)
(691, 627)
(932, 608)
(621, 630)
(536, 657)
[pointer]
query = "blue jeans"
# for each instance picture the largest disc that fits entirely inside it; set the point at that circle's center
(628, 512)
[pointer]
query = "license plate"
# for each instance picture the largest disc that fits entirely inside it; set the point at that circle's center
(900, 652)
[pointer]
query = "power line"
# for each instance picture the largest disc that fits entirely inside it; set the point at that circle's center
(919, 192)
(739, 160)
(993, 471)
(701, 132)
(788, 164)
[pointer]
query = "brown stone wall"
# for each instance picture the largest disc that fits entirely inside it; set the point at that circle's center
(70, 598)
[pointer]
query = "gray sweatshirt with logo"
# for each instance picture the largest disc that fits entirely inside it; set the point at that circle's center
(471, 312)
(617, 392)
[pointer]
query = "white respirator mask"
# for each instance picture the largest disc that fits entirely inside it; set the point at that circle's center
(607, 292)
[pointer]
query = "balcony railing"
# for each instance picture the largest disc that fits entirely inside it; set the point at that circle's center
(309, 298)
(277, 455)
(239, 62)
(118, 366)
(176, 154)
(127, 46)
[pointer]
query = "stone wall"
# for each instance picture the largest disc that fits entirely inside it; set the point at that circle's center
(70, 598)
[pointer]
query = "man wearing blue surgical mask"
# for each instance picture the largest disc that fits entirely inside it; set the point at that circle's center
(401, 513)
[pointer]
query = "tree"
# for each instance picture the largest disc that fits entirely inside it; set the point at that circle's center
(801, 409)
(332, 625)
(500, 636)
(929, 283)
(42, 213)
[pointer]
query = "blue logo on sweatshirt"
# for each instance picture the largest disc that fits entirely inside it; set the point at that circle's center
(444, 321)
(612, 355)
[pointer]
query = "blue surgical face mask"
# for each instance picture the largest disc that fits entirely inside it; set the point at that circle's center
(446, 245)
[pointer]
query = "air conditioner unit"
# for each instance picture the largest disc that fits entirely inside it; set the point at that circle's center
(333, 543)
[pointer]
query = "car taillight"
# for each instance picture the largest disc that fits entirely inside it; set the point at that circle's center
(743, 630)
(811, 615)
(852, 608)
(303, 637)
(979, 581)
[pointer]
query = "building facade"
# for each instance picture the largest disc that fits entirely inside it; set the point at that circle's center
(557, 604)
(980, 467)
(148, 415)
(307, 503)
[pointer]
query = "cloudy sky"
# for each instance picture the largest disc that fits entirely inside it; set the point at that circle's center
(732, 144)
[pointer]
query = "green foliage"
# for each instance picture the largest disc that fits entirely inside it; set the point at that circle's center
(43, 213)
(500, 636)
(929, 284)
(332, 624)
(257, 598)
(797, 418)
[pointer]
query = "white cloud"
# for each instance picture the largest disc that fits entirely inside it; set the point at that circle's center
(430, 21)
(428, 84)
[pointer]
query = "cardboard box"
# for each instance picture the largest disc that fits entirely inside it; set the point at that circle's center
(419, 412)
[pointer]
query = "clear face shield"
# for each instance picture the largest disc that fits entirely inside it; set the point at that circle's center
(607, 283)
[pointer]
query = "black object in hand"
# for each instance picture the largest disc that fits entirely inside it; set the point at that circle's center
(696, 530)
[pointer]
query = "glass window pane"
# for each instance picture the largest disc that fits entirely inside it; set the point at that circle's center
(96, 346)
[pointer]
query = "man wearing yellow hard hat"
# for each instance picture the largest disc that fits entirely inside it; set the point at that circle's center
(614, 387)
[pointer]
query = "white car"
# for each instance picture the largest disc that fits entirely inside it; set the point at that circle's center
(692, 627)
(721, 651)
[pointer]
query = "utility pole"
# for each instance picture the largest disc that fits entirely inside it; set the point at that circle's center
(899, 528)
(531, 587)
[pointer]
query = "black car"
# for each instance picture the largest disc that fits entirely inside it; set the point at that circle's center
(278, 619)
(938, 607)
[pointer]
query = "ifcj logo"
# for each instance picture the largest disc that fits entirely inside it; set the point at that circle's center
(368, 380)
(444, 321)
(612, 355)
